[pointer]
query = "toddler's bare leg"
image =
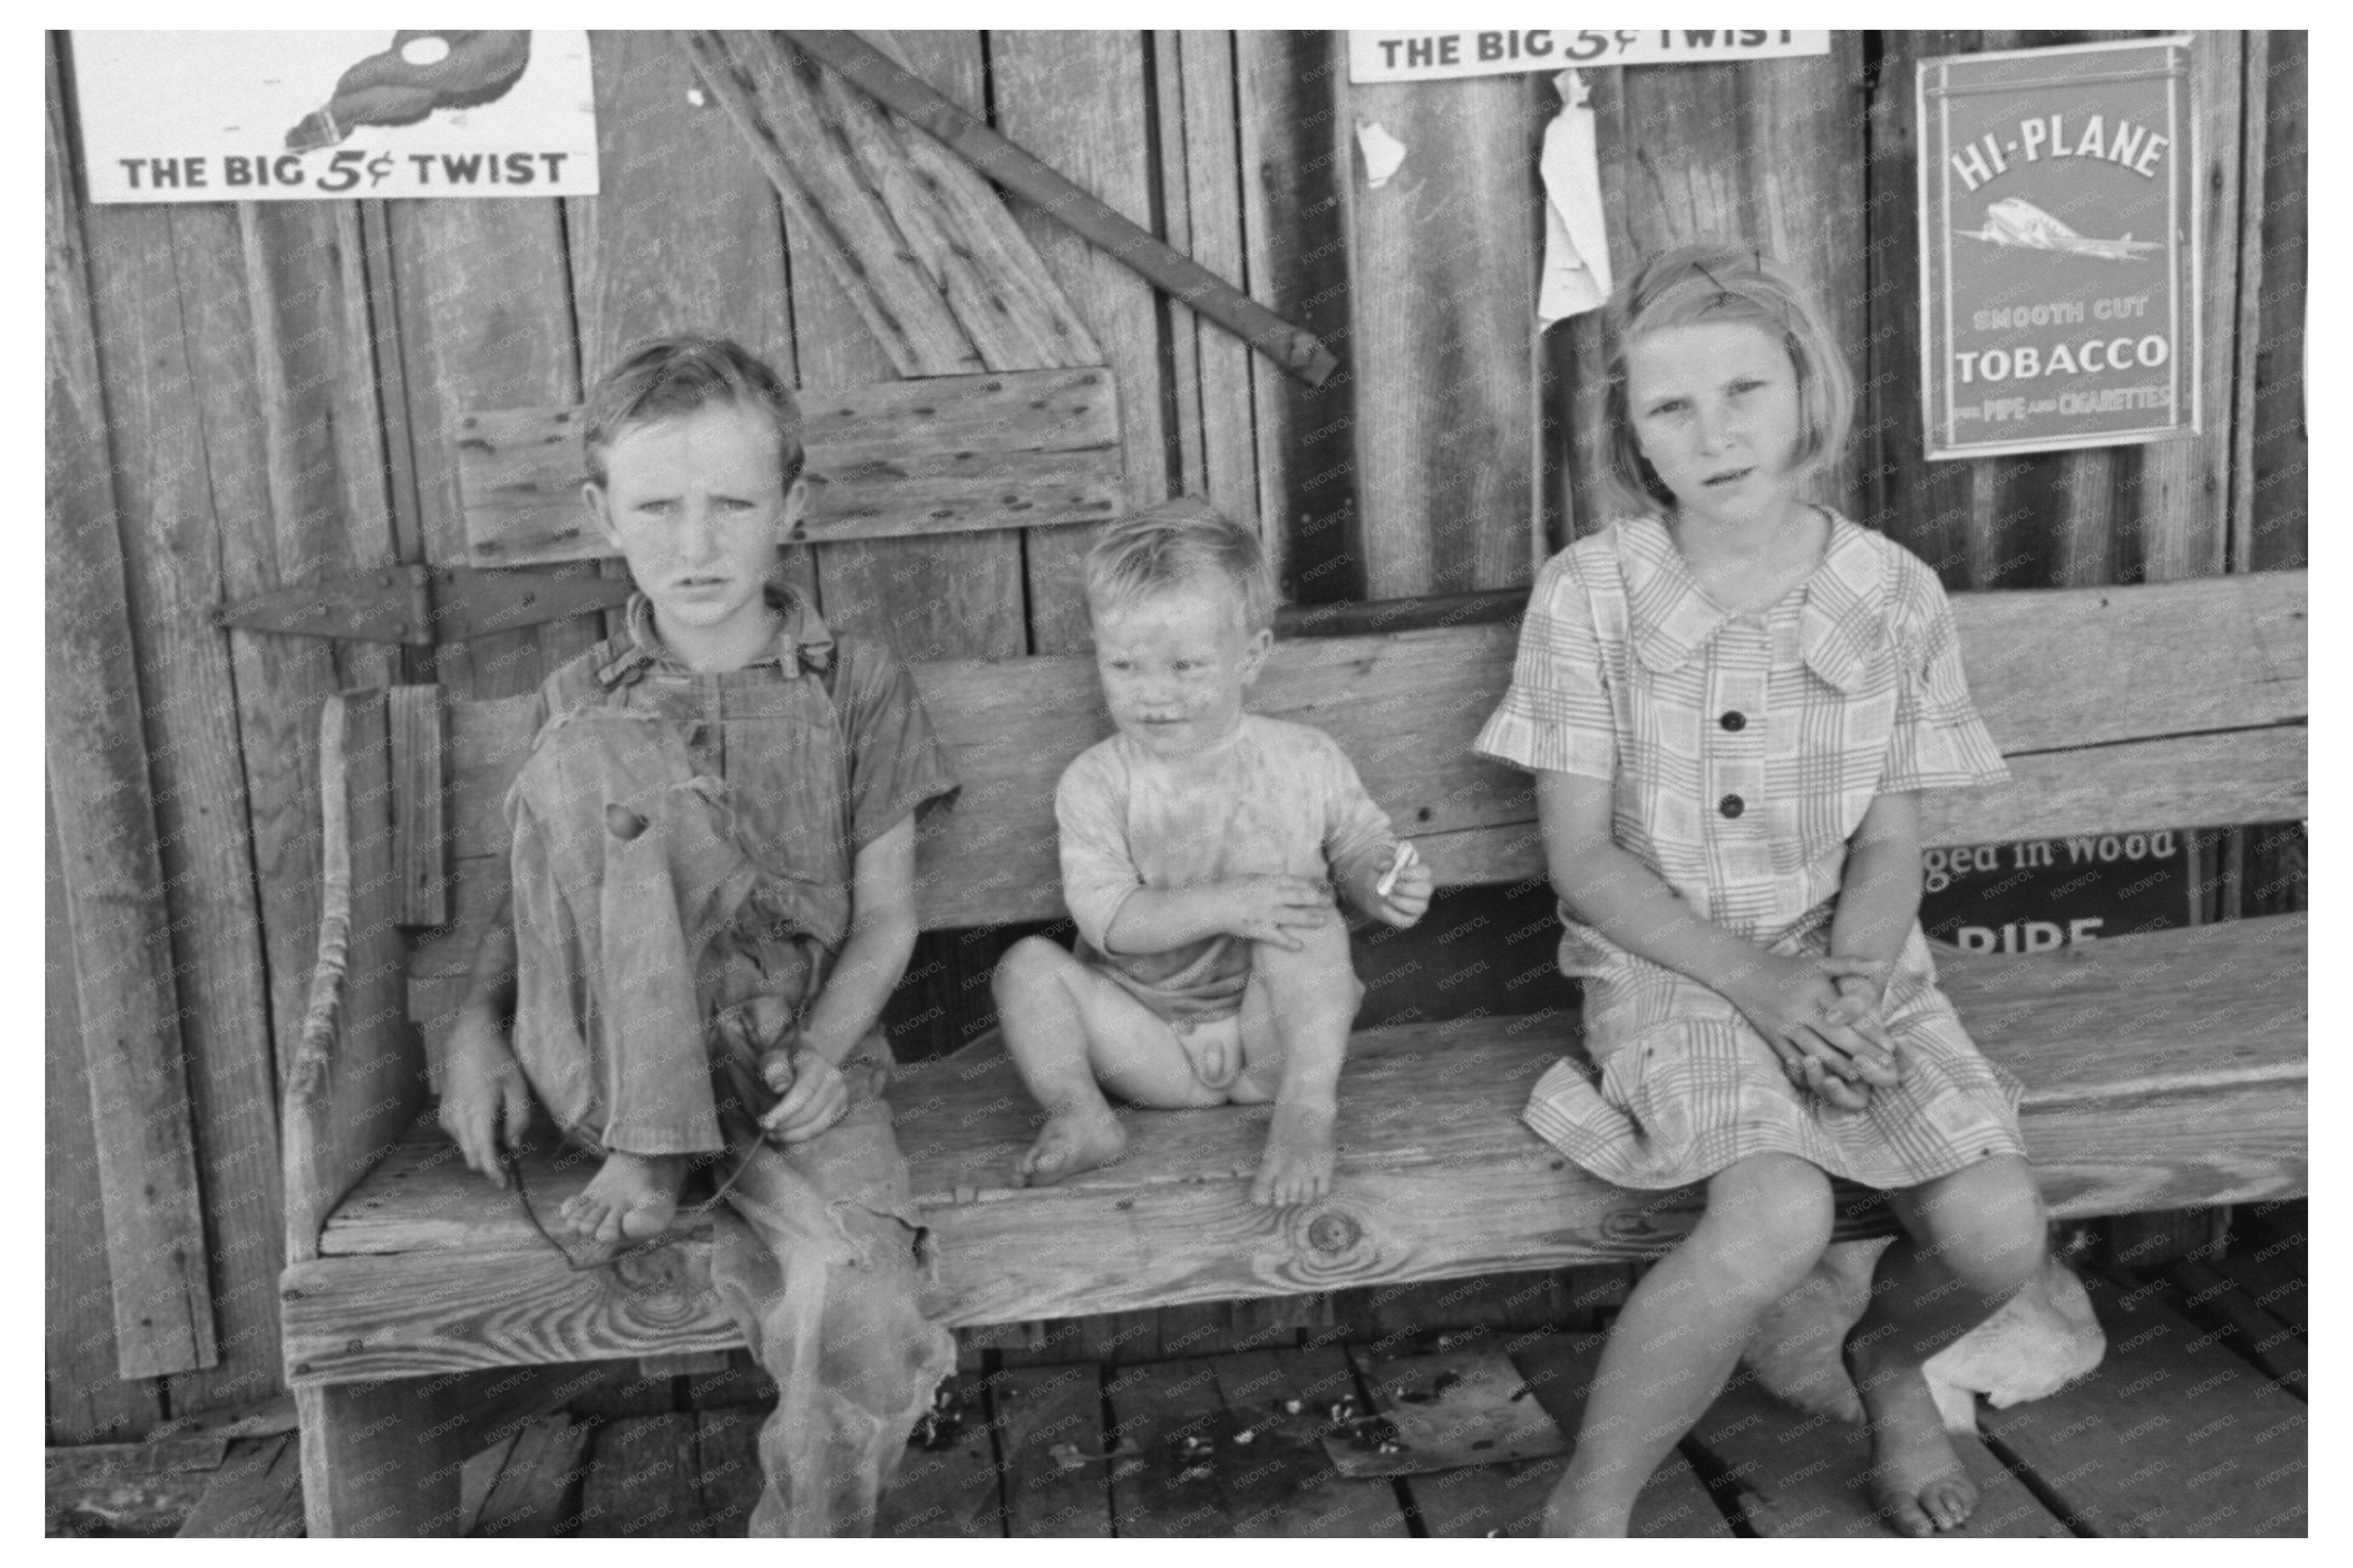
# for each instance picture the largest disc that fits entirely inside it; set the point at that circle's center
(1972, 1240)
(1768, 1220)
(1070, 1032)
(1295, 1019)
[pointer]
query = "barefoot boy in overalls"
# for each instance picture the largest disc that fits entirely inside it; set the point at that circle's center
(713, 896)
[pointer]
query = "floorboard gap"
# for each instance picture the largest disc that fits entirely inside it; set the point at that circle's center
(1723, 1488)
(2060, 1510)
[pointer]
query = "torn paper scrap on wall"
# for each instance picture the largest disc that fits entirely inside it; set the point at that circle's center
(1576, 241)
(1383, 153)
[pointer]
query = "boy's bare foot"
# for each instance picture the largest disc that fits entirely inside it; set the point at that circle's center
(1071, 1141)
(1297, 1165)
(632, 1198)
(1917, 1478)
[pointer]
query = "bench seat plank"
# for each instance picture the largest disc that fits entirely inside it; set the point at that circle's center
(2164, 1068)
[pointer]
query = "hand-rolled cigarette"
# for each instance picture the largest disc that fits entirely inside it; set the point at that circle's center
(1403, 858)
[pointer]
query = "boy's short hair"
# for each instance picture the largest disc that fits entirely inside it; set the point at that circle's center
(670, 376)
(1705, 284)
(1149, 552)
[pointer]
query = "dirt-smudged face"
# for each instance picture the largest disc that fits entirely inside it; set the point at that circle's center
(697, 504)
(1175, 665)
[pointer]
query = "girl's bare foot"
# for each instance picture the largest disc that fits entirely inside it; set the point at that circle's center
(632, 1198)
(1917, 1478)
(1570, 1513)
(1071, 1141)
(1297, 1165)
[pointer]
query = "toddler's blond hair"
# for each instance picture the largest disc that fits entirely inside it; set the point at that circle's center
(1152, 551)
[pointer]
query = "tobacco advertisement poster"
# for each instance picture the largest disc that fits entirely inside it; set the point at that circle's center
(2058, 248)
(299, 116)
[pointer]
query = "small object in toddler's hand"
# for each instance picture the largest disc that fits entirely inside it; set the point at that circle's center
(1403, 858)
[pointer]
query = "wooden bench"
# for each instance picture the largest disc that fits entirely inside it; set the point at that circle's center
(420, 1308)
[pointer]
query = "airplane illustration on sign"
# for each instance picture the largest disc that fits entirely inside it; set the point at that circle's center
(2011, 221)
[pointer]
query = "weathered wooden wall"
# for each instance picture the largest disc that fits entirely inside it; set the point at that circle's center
(244, 396)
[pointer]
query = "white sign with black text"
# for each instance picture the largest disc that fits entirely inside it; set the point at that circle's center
(1442, 54)
(301, 116)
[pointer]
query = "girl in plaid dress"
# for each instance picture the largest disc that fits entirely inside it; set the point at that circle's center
(1731, 699)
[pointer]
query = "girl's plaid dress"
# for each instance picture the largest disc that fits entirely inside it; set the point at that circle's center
(1744, 750)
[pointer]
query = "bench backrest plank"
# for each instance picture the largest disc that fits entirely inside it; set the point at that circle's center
(2119, 709)
(949, 454)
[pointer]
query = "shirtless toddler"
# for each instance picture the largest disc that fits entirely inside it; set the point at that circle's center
(1200, 847)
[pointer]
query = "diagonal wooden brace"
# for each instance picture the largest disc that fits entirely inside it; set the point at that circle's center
(1296, 349)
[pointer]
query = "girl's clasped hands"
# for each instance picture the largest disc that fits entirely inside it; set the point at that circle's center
(1820, 1016)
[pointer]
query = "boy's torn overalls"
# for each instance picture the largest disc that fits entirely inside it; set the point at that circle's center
(681, 857)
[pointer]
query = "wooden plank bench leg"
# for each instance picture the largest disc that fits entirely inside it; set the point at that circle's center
(384, 1459)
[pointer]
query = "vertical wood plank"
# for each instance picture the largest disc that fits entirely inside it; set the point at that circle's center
(115, 312)
(1200, 158)
(483, 297)
(420, 844)
(1080, 101)
(87, 1399)
(2278, 463)
(1923, 506)
(683, 235)
(2246, 325)
(1444, 280)
(1296, 155)
(2184, 510)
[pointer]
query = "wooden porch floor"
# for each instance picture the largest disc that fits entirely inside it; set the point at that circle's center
(2194, 1425)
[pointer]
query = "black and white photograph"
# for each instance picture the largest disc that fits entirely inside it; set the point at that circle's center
(1379, 784)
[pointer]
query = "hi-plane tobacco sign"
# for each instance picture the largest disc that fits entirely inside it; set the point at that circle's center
(2058, 248)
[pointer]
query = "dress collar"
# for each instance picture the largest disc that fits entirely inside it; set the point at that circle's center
(801, 632)
(1671, 617)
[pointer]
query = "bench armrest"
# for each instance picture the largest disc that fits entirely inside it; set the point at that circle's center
(357, 1081)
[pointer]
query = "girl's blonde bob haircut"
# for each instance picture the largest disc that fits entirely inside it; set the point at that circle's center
(1174, 543)
(1701, 285)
